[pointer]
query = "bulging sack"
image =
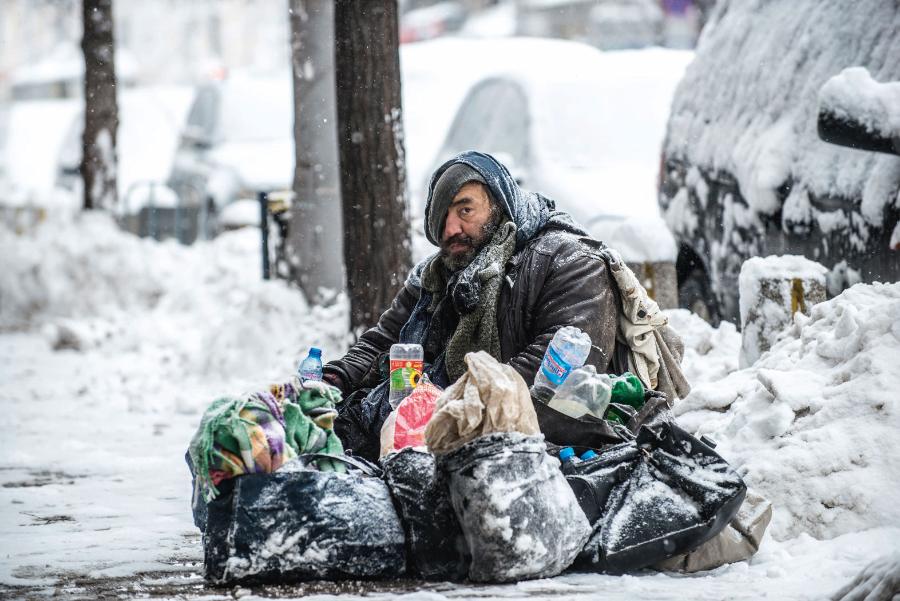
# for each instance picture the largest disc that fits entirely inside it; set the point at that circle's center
(663, 494)
(436, 548)
(520, 518)
(489, 397)
(304, 524)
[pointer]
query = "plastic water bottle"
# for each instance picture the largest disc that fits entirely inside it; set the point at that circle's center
(568, 350)
(588, 455)
(406, 364)
(568, 459)
(311, 367)
(584, 391)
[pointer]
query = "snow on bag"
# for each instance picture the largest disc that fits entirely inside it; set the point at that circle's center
(663, 494)
(282, 504)
(435, 544)
(519, 517)
(303, 524)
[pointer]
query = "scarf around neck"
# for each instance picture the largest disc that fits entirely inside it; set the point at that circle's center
(474, 292)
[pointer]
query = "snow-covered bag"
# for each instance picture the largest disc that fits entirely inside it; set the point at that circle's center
(519, 517)
(663, 494)
(435, 546)
(302, 524)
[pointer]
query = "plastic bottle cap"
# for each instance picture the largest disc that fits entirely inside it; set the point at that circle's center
(566, 453)
(315, 352)
(589, 454)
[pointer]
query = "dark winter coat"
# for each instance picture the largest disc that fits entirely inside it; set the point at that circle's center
(556, 277)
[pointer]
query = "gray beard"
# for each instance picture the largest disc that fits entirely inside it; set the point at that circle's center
(455, 263)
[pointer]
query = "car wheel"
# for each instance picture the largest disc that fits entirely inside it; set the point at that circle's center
(695, 295)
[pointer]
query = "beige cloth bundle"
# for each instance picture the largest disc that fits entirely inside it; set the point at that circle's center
(489, 397)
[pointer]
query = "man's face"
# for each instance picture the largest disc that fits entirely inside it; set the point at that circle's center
(471, 222)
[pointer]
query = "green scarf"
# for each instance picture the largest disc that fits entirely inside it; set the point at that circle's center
(475, 293)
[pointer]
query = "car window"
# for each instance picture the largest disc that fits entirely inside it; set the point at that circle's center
(492, 118)
(202, 118)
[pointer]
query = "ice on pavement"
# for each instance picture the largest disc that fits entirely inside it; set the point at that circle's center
(94, 484)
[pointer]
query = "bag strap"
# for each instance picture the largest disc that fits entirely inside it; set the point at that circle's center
(365, 467)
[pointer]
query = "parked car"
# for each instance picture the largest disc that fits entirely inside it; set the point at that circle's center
(579, 125)
(237, 141)
(743, 170)
(150, 121)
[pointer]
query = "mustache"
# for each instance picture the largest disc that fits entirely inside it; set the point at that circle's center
(458, 239)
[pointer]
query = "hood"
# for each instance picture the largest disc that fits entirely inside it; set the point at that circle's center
(528, 210)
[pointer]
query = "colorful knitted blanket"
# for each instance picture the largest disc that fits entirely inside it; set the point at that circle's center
(261, 431)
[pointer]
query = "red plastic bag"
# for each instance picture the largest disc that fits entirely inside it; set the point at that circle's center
(405, 426)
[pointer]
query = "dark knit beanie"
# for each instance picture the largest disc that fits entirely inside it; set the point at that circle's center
(447, 186)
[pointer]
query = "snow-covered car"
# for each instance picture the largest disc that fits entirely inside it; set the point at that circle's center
(237, 141)
(579, 125)
(744, 172)
(150, 120)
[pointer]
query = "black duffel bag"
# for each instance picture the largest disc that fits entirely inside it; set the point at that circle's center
(435, 546)
(303, 524)
(662, 494)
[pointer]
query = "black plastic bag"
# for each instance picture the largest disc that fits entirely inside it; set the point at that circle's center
(303, 524)
(660, 495)
(519, 517)
(435, 546)
(589, 431)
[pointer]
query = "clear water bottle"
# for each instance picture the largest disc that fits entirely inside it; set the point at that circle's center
(311, 368)
(584, 391)
(407, 362)
(568, 350)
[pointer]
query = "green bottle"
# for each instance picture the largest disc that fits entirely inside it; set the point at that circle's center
(627, 389)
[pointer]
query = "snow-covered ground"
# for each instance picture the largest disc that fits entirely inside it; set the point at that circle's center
(111, 346)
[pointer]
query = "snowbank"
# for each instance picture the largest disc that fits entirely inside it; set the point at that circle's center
(201, 311)
(813, 424)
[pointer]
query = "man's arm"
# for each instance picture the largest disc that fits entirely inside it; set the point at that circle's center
(350, 371)
(576, 291)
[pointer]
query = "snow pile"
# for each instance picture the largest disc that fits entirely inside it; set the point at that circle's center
(710, 353)
(854, 95)
(813, 424)
(201, 311)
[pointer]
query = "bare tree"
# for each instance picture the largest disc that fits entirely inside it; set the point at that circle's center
(370, 140)
(101, 113)
(314, 243)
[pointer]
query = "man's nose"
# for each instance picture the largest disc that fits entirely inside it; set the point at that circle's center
(452, 226)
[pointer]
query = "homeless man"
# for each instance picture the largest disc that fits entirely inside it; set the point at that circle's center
(511, 271)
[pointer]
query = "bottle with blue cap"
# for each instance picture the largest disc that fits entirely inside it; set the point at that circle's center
(588, 455)
(311, 368)
(569, 459)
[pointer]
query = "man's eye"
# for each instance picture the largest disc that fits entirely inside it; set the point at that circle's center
(465, 210)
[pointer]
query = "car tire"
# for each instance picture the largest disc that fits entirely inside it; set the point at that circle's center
(695, 294)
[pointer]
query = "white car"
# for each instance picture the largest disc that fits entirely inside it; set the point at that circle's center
(238, 140)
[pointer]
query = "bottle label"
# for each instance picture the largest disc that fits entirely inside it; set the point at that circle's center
(554, 367)
(405, 373)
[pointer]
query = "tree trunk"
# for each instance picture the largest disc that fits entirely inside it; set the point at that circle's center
(314, 245)
(101, 113)
(370, 139)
